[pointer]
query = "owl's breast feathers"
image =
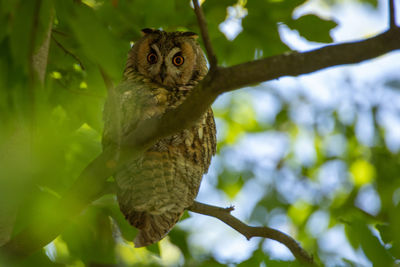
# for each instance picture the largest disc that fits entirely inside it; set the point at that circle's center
(154, 190)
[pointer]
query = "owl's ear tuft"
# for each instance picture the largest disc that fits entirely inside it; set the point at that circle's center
(146, 31)
(190, 35)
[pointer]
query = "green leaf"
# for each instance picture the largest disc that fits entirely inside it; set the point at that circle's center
(21, 34)
(258, 42)
(211, 263)
(90, 237)
(179, 237)
(393, 83)
(370, 244)
(37, 259)
(97, 42)
(111, 207)
(185, 216)
(373, 3)
(260, 36)
(5, 9)
(395, 250)
(385, 233)
(351, 237)
(313, 28)
(154, 248)
(216, 11)
(230, 182)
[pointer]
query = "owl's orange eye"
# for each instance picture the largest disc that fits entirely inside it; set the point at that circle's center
(152, 58)
(177, 60)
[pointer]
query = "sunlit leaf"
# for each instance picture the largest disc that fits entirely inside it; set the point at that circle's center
(299, 212)
(362, 172)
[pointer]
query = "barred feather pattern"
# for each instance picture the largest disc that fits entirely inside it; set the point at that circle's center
(154, 190)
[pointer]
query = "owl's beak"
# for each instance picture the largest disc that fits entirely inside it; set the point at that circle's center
(163, 73)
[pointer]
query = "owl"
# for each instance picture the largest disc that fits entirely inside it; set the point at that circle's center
(155, 189)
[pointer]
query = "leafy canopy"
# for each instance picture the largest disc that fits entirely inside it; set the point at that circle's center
(49, 133)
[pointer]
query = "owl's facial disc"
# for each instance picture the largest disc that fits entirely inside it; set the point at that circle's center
(171, 70)
(165, 67)
(169, 59)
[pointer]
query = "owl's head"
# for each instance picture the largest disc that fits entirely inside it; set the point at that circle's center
(167, 58)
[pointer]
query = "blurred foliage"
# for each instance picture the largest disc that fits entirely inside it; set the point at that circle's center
(319, 178)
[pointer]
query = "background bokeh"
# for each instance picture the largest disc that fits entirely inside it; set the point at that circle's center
(315, 156)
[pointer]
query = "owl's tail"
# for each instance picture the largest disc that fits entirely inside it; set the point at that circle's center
(152, 228)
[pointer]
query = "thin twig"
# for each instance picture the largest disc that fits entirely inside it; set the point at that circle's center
(204, 34)
(58, 32)
(225, 216)
(392, 15)
(67, 51)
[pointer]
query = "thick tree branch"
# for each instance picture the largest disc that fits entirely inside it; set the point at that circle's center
(219, 80)
(39, 59)
(224, 214)
(294, 64)
(212, 59)
(392, 14)
(33, 65)
(107, 80)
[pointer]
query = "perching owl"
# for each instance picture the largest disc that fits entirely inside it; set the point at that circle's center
(154, 190)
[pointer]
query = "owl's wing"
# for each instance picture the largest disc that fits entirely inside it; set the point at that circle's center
(122, 112)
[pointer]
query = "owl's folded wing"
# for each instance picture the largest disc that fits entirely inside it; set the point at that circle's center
(122, 112)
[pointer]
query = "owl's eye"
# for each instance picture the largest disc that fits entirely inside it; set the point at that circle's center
(177, 60)
(152, 58)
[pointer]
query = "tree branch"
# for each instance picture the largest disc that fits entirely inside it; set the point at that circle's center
(66, 51)
(33, 37)
(107, 80)
(39, 59)
(392, 14)
(219, 80)
(224, 214)
(294, 63)
(204, 34)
